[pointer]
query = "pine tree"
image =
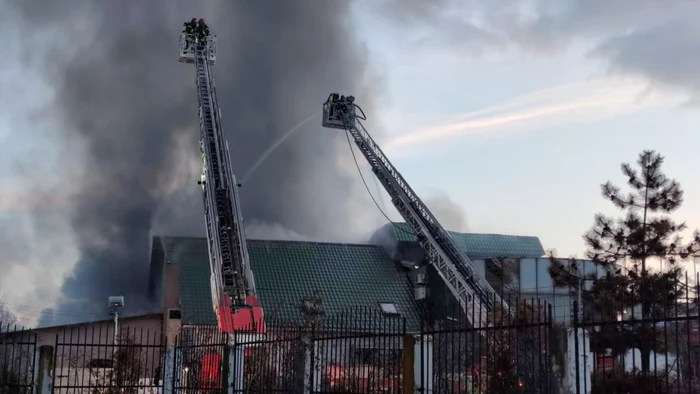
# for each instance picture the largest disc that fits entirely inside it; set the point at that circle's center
(623, 249)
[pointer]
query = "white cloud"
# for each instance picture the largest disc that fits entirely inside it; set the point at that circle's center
(584, 101)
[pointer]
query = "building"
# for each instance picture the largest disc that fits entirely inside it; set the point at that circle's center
(378, 276)
(515, 266)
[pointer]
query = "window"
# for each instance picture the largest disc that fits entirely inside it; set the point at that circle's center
(528, 275)
(480, 267)
(561, 306)
(494, 275)
(388, 308)
(544, 280)
(511, 275)
(503, 274)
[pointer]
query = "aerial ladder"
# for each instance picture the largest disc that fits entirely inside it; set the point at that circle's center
(475, 296)
(232, 283)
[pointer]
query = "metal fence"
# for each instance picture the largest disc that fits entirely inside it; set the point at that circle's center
(363, 350)
(367, 351)
(358, 351)
(200, 362)
(510, 355)
(639, 342)
(17, 352)
(91, 359)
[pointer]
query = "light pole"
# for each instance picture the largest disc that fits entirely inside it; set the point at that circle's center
(115, 304)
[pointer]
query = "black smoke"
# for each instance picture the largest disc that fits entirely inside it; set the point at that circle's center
(131, 108)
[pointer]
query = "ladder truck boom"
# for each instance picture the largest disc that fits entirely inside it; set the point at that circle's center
(228, 253)
(475, 295)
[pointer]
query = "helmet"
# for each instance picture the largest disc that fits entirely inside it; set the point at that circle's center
(194, 20)
(201, 21)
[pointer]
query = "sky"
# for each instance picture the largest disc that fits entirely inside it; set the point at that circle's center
(522, 133)
(504, 116)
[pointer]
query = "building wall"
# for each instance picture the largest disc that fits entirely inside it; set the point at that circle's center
(143, 329)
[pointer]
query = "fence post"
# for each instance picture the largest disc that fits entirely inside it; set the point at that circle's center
(173, 371)
(577, 356)
(227, 372)
(236, 359)
(318, 363)
(423, 363)
(312, 363)
(44, 381)
(408, 357)
(169, 370)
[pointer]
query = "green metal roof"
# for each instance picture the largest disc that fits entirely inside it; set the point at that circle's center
(479, 245)
(346, 276)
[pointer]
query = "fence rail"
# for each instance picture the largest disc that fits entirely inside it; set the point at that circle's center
(362, 350)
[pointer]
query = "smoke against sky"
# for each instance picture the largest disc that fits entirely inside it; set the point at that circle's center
(655, 39)
(129, 110)
(103, 118)
(448, 212)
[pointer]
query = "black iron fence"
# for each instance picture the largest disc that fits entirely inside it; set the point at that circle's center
(642, 342)
(364, 350)
(512, 354)
(91, 359)
(358, 351)
(17, 359)
(200, 361)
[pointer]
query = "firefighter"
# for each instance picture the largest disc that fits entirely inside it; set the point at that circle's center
(332, 99)
(202, 31)
(189, 29)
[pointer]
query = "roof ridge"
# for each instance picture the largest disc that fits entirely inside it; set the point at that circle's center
(181, 237)
(312, 242)
(471, 233)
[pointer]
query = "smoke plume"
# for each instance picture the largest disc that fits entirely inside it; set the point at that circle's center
(447, 212)
(130, 108)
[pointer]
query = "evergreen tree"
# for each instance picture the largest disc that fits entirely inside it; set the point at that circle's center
(623, 248)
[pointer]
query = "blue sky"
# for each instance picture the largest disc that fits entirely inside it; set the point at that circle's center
(533, 169)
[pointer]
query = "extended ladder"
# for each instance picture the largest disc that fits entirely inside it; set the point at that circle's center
(474, 294)
(225, 233)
